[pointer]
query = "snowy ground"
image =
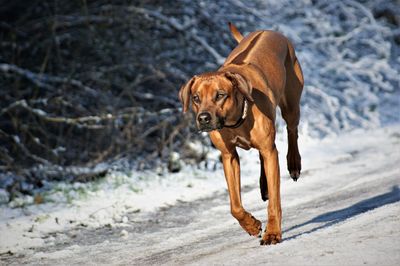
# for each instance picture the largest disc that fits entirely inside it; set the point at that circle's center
(345, 209)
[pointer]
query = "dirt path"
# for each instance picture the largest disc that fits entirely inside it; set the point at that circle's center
(346, 212)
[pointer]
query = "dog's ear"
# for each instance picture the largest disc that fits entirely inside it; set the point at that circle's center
(184, 94)
(242, 84)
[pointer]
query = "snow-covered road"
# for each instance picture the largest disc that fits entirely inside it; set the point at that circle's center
(345, 210)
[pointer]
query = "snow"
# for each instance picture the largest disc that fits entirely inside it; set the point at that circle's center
(361, 240)
(344, 209)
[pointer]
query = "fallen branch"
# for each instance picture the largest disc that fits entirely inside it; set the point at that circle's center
(16, 140)
(43, 80)
(77, 121)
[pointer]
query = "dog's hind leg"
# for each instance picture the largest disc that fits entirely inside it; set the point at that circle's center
(263, 181)
(290, 108)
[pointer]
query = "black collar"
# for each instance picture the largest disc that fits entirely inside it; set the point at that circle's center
(242, 118)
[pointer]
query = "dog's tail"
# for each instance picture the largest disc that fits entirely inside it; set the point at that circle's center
(235, 32)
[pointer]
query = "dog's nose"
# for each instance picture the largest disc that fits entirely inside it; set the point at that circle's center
(204, 118)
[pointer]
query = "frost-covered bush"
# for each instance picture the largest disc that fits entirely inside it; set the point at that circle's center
(84, 84)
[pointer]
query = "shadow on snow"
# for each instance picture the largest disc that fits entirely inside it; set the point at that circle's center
(331, 218)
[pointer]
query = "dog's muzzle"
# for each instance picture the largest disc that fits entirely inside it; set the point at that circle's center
(206, 123)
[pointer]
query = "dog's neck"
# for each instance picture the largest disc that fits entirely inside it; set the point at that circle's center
(242, 118)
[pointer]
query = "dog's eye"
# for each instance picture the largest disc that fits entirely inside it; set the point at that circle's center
(220, 96)
(196, 99)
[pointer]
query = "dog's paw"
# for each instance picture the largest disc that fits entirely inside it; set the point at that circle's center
(294, 164)
(270, 239)
(251, 225)
(294, 174)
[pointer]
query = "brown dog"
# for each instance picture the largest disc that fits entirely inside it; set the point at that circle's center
(236, 105)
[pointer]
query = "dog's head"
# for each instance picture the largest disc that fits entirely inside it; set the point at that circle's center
(216, 97)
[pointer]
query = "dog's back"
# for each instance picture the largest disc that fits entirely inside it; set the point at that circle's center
(269, 51)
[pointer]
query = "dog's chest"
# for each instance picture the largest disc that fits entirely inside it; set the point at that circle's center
(241, 142)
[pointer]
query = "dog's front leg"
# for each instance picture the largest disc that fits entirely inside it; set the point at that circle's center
(232, 174)
(273, 233)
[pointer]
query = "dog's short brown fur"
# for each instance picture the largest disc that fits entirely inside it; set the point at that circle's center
(262, 72)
